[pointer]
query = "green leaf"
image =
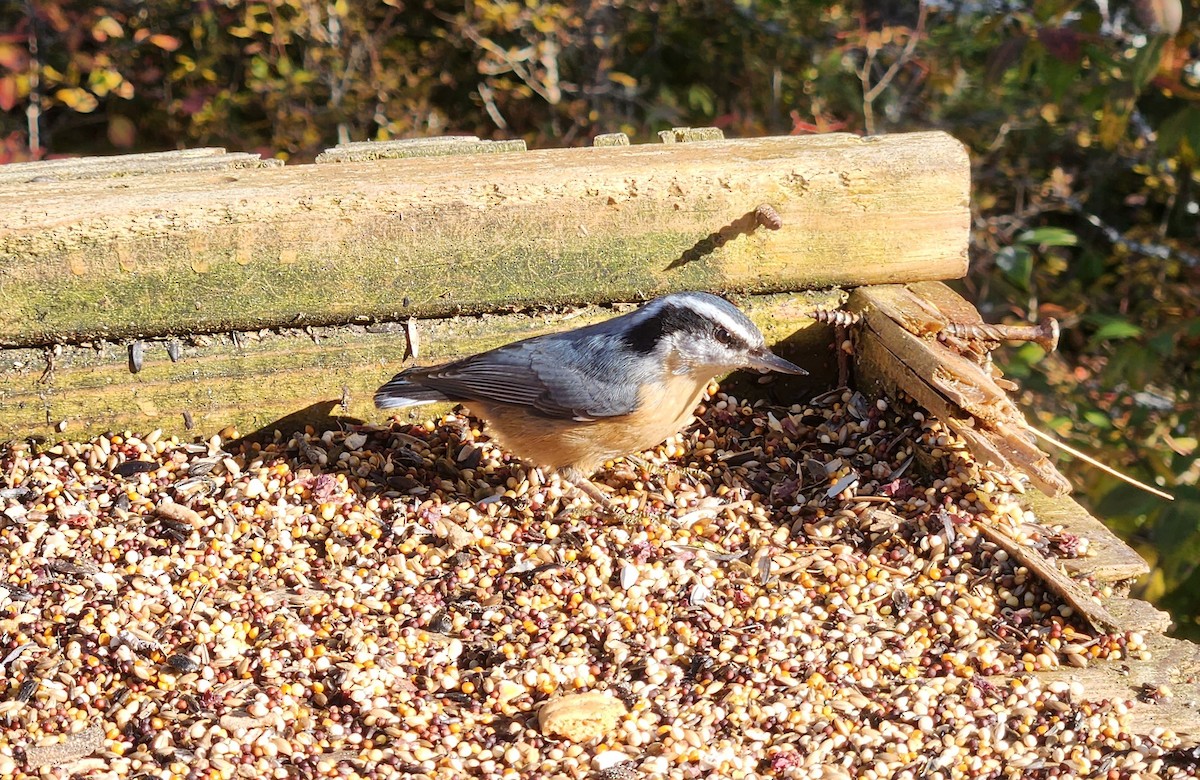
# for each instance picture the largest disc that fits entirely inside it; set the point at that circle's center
(1179, 126)
(1097, 418)
(1125, 500)
(1179, 521)
(1116, 329)
(1017, 264)
(1112, 327)
(1048, 236)
(702, 100)
(1059, 76)
(1145, 62)
(1163, 343)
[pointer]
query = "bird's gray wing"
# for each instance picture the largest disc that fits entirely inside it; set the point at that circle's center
(554, 377)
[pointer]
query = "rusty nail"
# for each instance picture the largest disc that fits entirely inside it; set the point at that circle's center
(1045, 334)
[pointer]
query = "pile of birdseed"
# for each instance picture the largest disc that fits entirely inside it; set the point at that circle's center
(786, 595)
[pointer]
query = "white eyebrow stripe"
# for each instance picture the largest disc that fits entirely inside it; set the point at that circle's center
(719, 315)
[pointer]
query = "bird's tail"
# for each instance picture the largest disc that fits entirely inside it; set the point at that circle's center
(399, 393)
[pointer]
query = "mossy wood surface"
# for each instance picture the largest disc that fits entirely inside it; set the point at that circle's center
(271, 375)
(188, 252)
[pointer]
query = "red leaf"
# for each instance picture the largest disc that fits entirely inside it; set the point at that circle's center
(1061, 43)
(8, 93)
(13, 57)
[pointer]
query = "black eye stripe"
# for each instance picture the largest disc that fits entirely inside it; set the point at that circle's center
(676, 319)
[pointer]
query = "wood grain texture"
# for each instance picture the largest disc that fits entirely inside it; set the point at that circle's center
(1110, 561)
(1173, 663)
(899, 350)
(178, 253)
(270, 375)
(184, 161)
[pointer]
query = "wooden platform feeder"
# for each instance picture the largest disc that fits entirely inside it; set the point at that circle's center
(199, 292)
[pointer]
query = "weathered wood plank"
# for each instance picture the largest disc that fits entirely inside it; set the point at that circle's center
(1070, 591)
(362, 151)
(431, 237)
(877, 365)
(74, 169)
(1173, 669)
(948, 304)
(945, 370)
(899, 349)
(1111, 560)
(275, 374)
(1138, 615)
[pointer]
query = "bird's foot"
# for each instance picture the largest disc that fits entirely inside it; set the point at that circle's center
(604, 504)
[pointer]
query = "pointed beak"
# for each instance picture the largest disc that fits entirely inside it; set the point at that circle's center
(766, 360)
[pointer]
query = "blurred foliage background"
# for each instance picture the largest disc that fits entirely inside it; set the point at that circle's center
(1082, 117)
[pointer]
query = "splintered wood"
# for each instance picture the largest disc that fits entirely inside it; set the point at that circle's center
(952, 378)
(905, 342)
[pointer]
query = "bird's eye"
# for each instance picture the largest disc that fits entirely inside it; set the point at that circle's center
(723, 336)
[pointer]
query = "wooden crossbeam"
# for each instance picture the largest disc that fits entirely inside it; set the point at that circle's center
(181, 252)
(254, 379)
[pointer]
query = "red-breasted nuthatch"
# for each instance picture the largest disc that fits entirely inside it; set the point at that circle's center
(571, 401)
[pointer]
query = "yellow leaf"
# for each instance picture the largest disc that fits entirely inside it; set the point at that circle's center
(624, 79)
(103, 81)
(77, 99)
(1112, 126)
(106, 28)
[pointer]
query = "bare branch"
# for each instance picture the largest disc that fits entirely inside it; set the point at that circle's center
(870, 93)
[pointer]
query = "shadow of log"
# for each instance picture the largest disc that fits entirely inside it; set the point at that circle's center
(319, 415)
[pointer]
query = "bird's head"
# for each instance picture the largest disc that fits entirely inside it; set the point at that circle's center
(702, 333)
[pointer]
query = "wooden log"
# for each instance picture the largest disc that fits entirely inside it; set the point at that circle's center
(302, 375)
(179, 253)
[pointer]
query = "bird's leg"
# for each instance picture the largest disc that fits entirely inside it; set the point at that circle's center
(586, 486)
(596, 494)
(599, 498)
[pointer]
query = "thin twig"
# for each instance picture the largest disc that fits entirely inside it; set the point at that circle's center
(1106, 469)
(488, 95)
(1160, 251)
(33, 114)
(871, 92)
